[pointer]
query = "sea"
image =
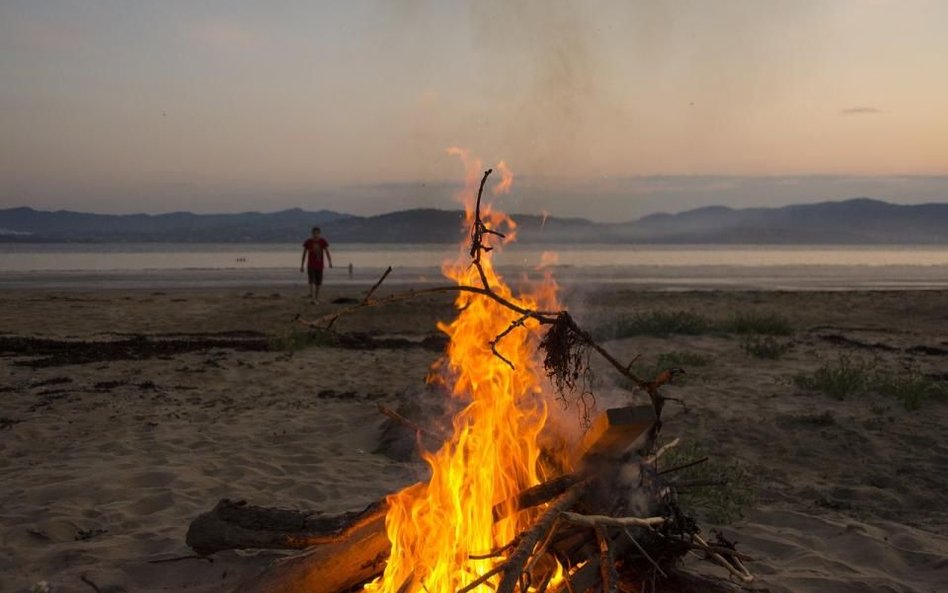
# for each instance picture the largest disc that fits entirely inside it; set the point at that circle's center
(64, 266)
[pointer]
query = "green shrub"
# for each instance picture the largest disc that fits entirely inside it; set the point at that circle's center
(655, 323)
(911, 389)
(665, 323)
(838, 379)
(845, 377)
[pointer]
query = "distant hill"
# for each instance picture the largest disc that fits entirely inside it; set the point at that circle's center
(856, 221)
(174, 227)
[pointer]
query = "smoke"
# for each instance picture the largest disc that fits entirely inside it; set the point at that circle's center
(542, 67)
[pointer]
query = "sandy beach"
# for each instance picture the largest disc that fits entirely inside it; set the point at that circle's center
(125, 414)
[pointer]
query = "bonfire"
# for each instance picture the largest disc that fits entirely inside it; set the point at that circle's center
(513, 504)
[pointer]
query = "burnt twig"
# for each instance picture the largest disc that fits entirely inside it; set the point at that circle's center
(513, 325)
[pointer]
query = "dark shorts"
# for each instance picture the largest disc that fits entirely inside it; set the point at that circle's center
(315, 276)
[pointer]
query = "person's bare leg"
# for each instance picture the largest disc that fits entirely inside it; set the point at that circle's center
(313, 292)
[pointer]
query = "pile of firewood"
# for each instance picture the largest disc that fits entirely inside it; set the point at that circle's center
(614, 524)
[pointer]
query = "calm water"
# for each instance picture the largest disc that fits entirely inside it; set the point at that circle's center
(705, 266)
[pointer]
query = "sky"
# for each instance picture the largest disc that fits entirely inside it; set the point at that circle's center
(606, 109)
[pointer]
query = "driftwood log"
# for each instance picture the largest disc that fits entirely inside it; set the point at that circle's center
(354, 557)
(237, 525)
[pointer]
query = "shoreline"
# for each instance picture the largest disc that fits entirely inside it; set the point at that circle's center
(659, 278)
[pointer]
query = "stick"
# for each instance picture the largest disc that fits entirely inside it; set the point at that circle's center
(541, 549)
(493, 344)
(698, 483)
(683, 466)
(538, 494)
(736, 568)
(410, 424)
(481, 579)
(528, 541)
(664, 449)
(603, 520)
(607, 569)
(477, 233)
(368, 295)
(644, 553)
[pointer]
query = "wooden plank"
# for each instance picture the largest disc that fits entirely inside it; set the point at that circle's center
(617, 430)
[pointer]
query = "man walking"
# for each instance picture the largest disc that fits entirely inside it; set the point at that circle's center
(313, 249)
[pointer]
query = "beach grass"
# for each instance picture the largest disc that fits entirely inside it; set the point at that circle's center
(838, 379)
(665, 323)
(846, 377)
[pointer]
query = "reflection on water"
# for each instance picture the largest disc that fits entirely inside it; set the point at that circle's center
(666, 266)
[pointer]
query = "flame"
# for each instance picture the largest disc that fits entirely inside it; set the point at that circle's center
(506, 179)
(493, 454)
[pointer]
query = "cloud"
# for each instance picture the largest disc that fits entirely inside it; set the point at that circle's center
(860, 111)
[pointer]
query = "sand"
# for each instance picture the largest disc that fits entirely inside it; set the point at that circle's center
(107, 453)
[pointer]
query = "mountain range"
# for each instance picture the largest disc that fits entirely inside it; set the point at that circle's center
(855, 221)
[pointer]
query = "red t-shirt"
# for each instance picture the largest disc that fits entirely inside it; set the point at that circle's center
(314, 252)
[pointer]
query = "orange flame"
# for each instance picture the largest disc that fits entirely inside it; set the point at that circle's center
(493, 454)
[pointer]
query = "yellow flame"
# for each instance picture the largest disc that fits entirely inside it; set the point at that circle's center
(493, 454)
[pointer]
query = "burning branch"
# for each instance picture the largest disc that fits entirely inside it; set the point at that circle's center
(528, 541)
(478, 230)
